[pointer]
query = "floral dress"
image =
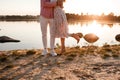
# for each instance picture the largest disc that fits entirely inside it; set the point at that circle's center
(61, 24)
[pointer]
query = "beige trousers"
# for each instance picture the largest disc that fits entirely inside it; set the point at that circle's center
(44, 24)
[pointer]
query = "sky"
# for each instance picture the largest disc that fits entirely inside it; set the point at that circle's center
(32, 7)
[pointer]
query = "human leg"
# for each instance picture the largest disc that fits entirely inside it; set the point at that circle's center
(43, 24)
(52, 37)
(62, 45)
(75, 36)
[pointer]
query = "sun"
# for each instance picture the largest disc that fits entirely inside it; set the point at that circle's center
(93, 28)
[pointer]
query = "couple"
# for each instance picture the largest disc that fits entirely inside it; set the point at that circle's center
(52, 14)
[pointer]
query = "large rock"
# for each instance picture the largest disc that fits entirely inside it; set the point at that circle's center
(117, 37)
(91, 38)
(4, 39)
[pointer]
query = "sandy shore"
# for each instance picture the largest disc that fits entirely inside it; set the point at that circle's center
(77, 63)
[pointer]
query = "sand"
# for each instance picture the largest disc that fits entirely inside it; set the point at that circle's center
(77, 63)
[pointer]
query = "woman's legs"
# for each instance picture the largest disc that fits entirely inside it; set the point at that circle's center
(75, 36)
(62, 45)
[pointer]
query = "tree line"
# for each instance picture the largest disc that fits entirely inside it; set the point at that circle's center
(19, 18)
(70, 16)
(102, 17)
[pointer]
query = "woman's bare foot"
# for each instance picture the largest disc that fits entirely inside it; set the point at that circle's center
(80, 35)
(76, 37)
(62, 50)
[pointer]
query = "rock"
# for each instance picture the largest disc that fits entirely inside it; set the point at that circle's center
(44, 64)
(4, 39)
(117, 37)
(91, 38)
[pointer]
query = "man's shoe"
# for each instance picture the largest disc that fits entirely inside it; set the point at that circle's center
(53, 53)
(44, 52)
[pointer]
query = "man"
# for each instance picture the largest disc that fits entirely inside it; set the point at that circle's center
(46, 17)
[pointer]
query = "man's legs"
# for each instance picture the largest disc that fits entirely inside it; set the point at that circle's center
(43, 24)
(52, 37)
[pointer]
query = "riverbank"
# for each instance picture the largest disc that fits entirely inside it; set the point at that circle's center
(77, 63)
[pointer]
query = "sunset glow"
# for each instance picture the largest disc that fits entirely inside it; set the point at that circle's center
(96, 7)
(32, 7)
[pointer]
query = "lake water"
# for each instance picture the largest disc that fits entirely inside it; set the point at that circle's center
(29, 33)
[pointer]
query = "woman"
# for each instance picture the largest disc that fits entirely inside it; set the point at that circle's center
(61, 25)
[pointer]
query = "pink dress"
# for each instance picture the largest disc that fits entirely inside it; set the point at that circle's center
(61, 24)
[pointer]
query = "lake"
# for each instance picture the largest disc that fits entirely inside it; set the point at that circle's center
(29, 33)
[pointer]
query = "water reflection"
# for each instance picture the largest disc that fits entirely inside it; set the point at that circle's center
(105, 30)
(29, 33)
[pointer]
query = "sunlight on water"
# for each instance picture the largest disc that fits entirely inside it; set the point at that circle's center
(29, 34)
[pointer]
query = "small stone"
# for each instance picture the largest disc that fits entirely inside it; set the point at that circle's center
(44, 64)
